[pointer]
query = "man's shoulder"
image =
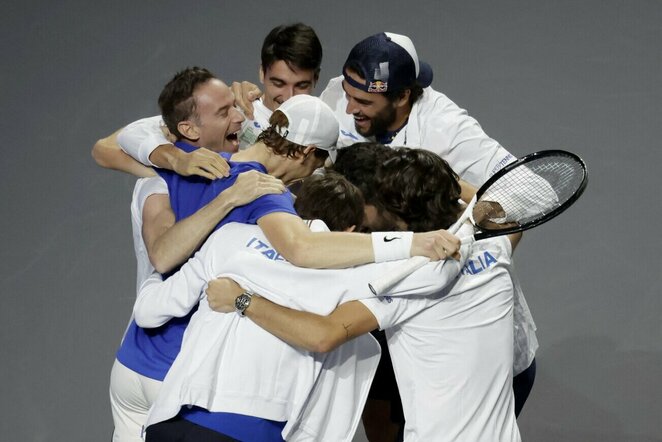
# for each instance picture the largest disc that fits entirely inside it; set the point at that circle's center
(487, 255)
(149, 186)
(433, 104)
(333, 93)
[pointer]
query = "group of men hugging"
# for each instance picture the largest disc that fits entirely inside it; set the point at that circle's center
(260, 219)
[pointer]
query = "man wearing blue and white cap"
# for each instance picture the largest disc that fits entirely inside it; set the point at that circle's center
(384, 94)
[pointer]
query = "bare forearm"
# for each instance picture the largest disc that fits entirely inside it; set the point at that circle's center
(301, 329)
(107, 153)
(290, 236)
(333, 250)
(467, 191)
(165, 156)
(176, 244)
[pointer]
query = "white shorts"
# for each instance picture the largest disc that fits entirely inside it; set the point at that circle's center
(131, 396)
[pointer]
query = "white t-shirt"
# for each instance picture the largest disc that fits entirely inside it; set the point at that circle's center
(453, 353)
(144, 188)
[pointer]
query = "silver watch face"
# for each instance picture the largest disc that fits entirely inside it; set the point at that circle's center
(242, 302)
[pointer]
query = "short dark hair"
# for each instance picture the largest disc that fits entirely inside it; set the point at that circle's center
(296, 44)
(416, 91)
(359, 163)
(280, 145)
(331, 198)
(176, 100)
(421, 188)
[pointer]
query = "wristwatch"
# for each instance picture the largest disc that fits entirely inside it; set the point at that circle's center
(242, 302)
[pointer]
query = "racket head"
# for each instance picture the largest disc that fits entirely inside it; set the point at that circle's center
(531, 190)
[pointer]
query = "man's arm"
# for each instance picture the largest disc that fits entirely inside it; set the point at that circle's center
(302, 329)
(245, 93)
(169, 244)
(150, 143)
(467, 191)
(108, 154)
(292, 238)
(159, 301)
(515, 239)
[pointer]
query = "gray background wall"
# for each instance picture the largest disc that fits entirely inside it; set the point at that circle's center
(581, 75)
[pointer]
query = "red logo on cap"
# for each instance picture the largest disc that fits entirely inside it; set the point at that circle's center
(377, 86)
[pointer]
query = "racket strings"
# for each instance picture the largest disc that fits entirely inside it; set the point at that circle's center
(531, 190)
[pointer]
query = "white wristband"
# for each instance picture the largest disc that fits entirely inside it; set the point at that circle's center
(390, 246)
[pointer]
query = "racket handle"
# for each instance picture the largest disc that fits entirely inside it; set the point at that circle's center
(384, 283)
(465, 215)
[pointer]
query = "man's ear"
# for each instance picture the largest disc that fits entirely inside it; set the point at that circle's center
(308, 150)
(260, 73)
(403, 99)
(189, 130)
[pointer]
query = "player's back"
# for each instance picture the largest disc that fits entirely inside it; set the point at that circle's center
(453, 360)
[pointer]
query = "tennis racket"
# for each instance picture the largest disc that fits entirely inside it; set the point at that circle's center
(522, 195)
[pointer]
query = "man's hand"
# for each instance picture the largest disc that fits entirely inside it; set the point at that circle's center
(251, 185)
(202, 162)
(486, 211)
(436, 245)
(245, 93)
(221, 294)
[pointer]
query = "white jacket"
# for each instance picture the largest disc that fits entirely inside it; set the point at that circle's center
(229, 364)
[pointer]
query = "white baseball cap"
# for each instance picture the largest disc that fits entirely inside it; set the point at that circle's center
(311, 122)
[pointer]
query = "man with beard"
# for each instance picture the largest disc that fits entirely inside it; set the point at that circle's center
(384, 94)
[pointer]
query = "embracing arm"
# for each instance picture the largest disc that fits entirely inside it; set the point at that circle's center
(302, 329)
(515, 239)
(149, 142)
(297, 244)
(467, 191)
(169, 244)
(245, 93)
(159, 301)
(108, 154)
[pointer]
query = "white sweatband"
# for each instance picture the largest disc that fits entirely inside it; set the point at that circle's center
(390, 246)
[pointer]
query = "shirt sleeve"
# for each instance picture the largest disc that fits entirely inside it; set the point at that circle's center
(143, 189)
(390, 312)
(333, 93)
(140, 138)
(271, 204)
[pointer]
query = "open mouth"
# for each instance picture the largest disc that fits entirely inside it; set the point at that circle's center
(361, 121)
(233, 139)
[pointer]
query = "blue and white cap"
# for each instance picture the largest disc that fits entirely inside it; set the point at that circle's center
(311, 122)
(387, 62)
